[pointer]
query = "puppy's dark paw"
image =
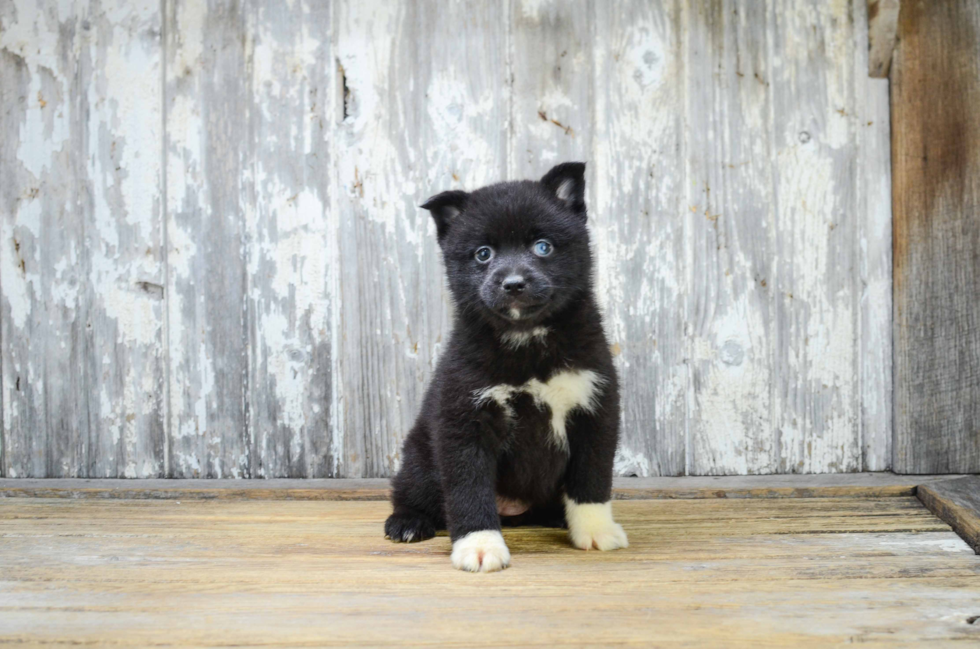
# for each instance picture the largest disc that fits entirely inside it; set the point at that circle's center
(408, 528)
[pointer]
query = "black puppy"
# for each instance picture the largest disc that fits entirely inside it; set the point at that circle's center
(522, 417)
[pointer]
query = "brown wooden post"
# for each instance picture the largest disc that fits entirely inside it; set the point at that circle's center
(935, 106)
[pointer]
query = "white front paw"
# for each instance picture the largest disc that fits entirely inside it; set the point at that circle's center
(592, 526)
(483, 551)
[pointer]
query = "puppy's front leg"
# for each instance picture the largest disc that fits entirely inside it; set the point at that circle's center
(588, 481)
(468, 458)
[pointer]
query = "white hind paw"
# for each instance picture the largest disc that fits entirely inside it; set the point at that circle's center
(483, 551)
(592, 526)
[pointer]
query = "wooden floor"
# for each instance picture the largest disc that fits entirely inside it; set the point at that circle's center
(718, 572)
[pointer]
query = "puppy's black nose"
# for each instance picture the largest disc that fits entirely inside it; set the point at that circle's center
(514, 284)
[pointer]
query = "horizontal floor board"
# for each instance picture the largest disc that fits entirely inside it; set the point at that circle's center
(802, 572)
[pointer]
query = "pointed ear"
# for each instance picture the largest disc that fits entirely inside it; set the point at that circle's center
(567, 182)
(445, 207)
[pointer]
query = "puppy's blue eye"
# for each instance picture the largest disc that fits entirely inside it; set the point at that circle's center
(543, 248)
(484, 254)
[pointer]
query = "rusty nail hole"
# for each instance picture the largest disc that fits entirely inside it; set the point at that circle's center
(972, 619)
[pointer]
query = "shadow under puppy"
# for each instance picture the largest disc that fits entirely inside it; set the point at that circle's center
(521, 419)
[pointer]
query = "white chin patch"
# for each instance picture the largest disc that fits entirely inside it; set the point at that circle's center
(483, 551)
(515, 314)
(518, 339)
(592, 526)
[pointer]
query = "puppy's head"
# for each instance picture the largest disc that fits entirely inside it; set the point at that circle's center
(516, 252)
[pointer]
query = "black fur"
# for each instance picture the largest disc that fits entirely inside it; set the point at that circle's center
(461, 454)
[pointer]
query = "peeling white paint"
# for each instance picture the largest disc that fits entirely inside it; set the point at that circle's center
(83, 236)
(16, 282)
(743, 270)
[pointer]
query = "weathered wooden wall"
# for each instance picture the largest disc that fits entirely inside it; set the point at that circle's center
(212, 263)
(936, 109)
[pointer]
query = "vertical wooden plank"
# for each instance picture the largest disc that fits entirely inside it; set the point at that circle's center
(875, 249)
(638, 195)
(936, 170)
(28, 131)
(392, 313)
(551, 74)
(209, 183)
(81, 238)
(874, 240)
(290, 240)
(373, 233)
(15, 85)
(816, 416)
(729, 196)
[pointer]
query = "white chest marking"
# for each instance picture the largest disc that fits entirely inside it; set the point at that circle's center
(564, 392)
(517, 339)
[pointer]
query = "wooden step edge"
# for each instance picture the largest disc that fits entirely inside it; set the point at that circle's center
(852, 485)
(957, 503)
(842, 491)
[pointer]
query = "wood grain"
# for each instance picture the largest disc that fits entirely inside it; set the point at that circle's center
(816, 416)
(732, 219)
(81, 240)
(936, 167)
(551, 106)
(208, 146)
(873, 187)
(745, 573)
(637, 206)
(874, 238)
(290, 238)
(957, 502)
